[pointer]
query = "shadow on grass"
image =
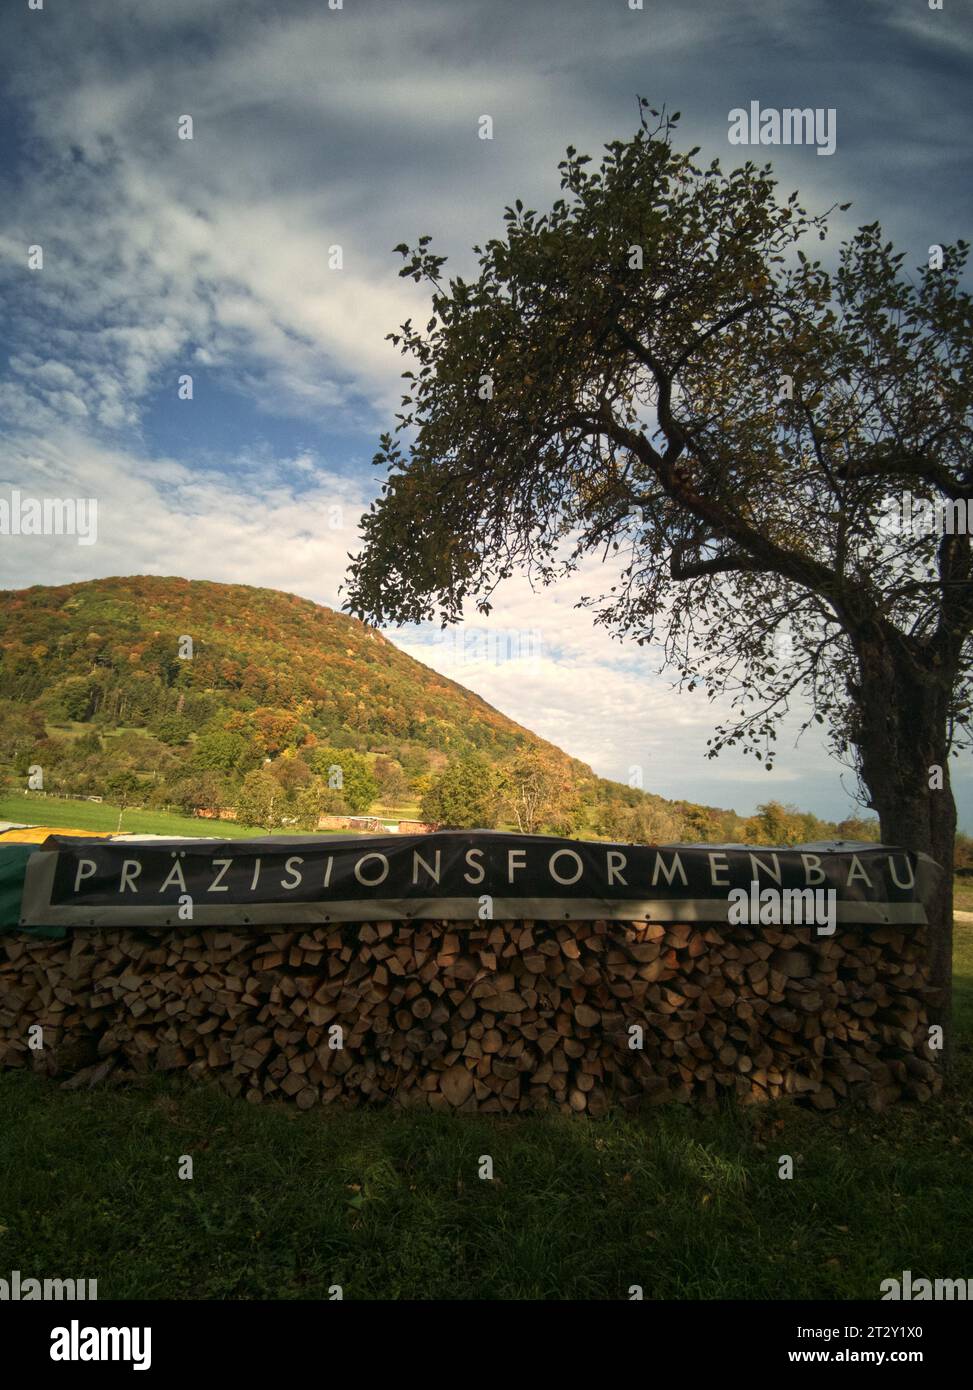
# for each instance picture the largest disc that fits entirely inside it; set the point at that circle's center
(389, 1204)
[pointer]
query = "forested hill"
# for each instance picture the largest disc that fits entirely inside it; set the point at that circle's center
(109, 649)
(179, 694)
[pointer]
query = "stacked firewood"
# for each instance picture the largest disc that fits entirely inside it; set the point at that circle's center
(498, 1017)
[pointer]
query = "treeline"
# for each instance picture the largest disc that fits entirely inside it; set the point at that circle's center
(224, 768)
(236, 764)
(536, 794)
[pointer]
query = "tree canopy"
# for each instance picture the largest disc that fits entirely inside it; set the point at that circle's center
(658, 368)
(658, 371)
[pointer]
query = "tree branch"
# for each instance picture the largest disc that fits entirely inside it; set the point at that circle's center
(719, 564)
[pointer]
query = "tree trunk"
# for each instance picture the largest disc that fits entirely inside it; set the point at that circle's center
(902, 736)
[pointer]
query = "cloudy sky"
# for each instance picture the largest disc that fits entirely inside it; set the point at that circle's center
(357, 127)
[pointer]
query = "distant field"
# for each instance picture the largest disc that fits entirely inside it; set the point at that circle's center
(93, 815)
(73, 728)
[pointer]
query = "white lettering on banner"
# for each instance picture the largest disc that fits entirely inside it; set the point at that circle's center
(534, 868)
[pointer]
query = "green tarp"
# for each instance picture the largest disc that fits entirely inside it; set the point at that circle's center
(13, 867)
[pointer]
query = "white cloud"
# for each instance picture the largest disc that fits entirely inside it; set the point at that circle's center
(158, 516)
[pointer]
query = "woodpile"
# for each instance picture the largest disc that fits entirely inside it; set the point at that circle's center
(497, 1017)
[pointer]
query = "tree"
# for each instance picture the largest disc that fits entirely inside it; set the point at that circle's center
(656, 824)
(391, 781)
(172, 728)
(122, 788)
(463, 796)
(276, 729)
(89, 742)
(775, 824)
(75, 697)
(260, 800)
(539, 794)
(349, 774)
(222, 751)
(198, 790)
(291, 772)
(658, 370)
(314, 800)
(422, 785)
(20, 729)
(647, 822)
(696, 822)
(858, 828)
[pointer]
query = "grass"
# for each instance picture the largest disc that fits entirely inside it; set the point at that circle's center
(284, 1204)
(963, 894)
(101, 816)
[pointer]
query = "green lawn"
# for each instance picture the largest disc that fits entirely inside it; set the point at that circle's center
(285, 1203)
(963, 894)
(94, 815)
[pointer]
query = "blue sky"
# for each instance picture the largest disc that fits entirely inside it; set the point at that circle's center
(357, 127)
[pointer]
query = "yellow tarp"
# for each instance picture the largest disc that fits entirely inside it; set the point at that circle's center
(35, 834)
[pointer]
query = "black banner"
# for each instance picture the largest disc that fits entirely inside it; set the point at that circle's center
(457, 875)
(775, 1335)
